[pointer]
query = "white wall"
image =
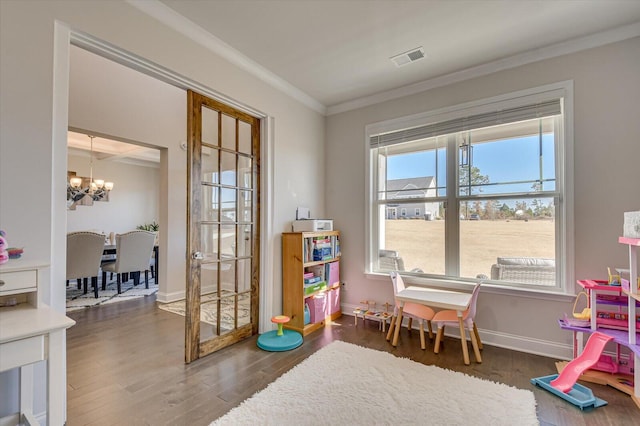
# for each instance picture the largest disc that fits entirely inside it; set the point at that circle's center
(134, 200)
(33, 125)
(607, 176)
(111, 99)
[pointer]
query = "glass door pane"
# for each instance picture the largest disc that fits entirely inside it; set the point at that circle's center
(222, 307)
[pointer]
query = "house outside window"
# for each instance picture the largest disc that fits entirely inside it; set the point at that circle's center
(490, 177)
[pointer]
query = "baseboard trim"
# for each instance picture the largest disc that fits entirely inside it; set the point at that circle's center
(10, 420)
(525, 344)
(164, 297)
(513, 342)
(29, 419)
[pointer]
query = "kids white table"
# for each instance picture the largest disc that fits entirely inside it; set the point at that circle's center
(443, 299)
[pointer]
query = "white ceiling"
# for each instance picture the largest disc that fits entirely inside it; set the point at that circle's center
(334, 55)
(337, 51)
(107, 149)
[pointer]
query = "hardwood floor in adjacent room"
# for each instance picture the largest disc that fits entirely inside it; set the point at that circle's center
(126, 367)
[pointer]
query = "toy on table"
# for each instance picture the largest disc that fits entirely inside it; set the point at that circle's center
(624, 282)
(614, 370)
(371, 306)
(607, 319)
(369, 312)
(586, 312)
(4, 254)
(280, 340)
(614, 279)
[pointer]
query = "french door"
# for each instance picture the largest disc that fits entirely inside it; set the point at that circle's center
(223, 226)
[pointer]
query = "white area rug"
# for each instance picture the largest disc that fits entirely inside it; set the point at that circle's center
(345, 384)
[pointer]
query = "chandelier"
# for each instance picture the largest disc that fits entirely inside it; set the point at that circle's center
(85, 191)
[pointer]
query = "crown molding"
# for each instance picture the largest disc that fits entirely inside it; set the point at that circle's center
(172, 19)
(191, 30)
(548, 52)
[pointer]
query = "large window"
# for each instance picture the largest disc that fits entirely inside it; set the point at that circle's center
(476, 191)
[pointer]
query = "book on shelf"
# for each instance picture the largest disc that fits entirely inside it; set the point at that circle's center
(322, 249)
(312, 288)
(312, 280)
(335, 246)
(332, 273)
(316, 270)
(316, 249)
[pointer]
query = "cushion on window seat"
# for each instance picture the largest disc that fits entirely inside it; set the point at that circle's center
(529, 270)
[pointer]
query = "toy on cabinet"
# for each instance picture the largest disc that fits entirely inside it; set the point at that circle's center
(7, 252)
(4, 253)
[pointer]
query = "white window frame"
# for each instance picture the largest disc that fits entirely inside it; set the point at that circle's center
(564, 182)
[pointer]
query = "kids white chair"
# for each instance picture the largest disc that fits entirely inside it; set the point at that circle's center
(411, 310)
(450, 317)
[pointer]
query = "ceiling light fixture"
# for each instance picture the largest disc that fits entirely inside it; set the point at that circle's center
(94, 189)
(408, 56)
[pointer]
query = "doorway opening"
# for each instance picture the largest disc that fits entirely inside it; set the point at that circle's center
(132, 204)
(171, 161)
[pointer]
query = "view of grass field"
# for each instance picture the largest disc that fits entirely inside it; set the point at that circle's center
(421, 243)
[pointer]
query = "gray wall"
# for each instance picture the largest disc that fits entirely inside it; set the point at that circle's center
(133, 201)
(36, 111)
(606, 178)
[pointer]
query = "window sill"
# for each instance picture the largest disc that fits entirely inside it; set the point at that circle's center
(532, 293)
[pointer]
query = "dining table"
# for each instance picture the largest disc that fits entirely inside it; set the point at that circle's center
(443, 299)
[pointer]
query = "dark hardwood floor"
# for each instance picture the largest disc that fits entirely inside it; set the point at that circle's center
(126, 367)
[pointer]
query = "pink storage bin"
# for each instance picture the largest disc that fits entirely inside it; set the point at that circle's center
(317, 307)
(333, 301)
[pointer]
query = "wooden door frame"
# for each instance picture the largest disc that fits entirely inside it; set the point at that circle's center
(194, 347)
(65, 37)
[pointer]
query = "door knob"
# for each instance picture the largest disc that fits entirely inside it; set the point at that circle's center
(197, 256)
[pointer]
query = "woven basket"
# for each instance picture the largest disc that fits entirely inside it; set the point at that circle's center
(586, 312)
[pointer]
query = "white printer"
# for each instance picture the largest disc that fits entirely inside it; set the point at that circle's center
(312, 225)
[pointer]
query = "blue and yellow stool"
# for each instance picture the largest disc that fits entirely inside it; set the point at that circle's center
(279, 340)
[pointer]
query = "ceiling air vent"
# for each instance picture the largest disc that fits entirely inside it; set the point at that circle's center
(408, 57)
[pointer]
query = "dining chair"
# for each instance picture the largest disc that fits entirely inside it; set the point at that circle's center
(450, 317)
(133, 251)
(84, 253)
(411, 310)
(152, 264)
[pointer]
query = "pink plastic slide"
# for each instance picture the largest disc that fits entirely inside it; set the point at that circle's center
(589, 356)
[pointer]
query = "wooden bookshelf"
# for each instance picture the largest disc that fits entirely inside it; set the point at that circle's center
(297, 259)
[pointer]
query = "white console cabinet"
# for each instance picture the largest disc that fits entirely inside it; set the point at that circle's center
(31, 331)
